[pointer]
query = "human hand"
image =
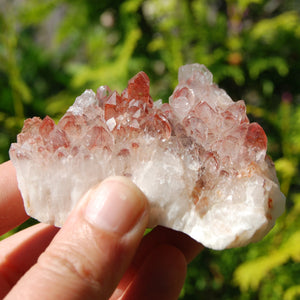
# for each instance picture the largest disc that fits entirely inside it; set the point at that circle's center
(99, 253)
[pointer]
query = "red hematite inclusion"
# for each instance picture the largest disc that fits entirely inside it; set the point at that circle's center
(133, 109)
(256, 137)
(204, 114)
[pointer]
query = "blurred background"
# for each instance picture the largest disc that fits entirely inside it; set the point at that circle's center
(51, 51)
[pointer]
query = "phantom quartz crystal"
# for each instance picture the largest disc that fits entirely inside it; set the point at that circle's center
(202, 165)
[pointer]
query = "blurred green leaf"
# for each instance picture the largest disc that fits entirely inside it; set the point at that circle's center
(268, 29)
(292, 293)
(259, 65)
(286, 169)
(251, 273)
(33, 12)
(131, 6)
(114, 72)
(244, 4)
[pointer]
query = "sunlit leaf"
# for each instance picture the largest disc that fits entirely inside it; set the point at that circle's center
(260, 65)
(268, 29)
(251, 273)
(292, 293)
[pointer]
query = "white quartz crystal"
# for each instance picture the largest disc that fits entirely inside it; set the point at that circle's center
(200, 162)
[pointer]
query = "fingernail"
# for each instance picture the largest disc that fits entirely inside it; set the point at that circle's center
(116, 205)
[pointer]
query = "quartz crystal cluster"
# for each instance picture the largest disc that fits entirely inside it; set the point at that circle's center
(198, 159)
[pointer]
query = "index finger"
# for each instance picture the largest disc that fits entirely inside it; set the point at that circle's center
(12, 212)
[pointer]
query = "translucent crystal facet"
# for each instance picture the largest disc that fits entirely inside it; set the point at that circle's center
(198, 159)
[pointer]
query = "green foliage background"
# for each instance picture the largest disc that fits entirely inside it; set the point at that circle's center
(51, 51)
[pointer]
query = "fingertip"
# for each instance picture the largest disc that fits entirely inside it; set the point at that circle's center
(116, 205)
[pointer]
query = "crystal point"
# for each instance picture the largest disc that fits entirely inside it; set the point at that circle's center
(198, 160)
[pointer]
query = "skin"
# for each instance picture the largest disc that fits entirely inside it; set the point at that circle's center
(87, 258)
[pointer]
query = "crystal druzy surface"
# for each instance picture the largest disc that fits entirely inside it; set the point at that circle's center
(198, 159)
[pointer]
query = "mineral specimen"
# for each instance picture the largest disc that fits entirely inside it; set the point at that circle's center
(198, 159)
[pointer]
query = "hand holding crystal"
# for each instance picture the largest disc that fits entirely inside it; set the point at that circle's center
(99, 253)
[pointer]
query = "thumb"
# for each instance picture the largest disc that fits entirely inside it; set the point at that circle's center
(92, 251)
